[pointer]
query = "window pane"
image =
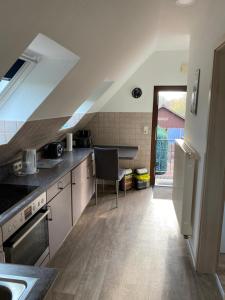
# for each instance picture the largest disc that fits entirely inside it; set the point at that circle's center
(3, 84)
(14, 69)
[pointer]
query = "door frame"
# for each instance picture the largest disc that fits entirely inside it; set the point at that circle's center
(157, 89)
(212, 206)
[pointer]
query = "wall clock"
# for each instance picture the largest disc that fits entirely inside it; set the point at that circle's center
(136, 92)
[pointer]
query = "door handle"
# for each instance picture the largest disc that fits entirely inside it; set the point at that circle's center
(50, 213)
(60, 185)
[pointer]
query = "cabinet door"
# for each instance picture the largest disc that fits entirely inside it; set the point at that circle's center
(77, 207)
(82, 187)
(60, 222)
(90, 179)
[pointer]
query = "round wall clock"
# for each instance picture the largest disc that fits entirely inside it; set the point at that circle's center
(136, 93)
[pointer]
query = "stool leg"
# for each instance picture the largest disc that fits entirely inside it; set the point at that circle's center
(125, 189)
(117, 192)
(103, 186)
(96, 191)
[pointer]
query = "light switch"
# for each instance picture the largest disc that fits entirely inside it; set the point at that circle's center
(146, 129)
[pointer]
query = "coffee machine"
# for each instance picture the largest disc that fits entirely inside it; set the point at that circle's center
(82, 139)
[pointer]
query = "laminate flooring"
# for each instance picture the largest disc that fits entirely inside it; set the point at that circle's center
(134, 252)
(162, 192)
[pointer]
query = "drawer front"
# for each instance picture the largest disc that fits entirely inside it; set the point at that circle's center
(80, 173)
(58, 186)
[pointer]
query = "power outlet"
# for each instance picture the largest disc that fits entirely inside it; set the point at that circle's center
(17, 166)
(146, 130)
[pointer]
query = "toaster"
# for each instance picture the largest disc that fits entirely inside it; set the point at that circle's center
(53, 150)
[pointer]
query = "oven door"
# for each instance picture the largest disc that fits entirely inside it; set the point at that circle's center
(30, 244)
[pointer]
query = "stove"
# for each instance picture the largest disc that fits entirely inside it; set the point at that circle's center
(10, 194)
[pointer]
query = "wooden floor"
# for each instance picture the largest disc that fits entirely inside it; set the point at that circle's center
(162, 192)
(134, 252)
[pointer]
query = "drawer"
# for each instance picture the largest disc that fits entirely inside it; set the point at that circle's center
(58, 186)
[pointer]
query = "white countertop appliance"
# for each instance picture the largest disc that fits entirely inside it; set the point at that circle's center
(29, 162)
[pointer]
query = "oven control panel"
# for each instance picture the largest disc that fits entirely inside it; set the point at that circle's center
(19, 219)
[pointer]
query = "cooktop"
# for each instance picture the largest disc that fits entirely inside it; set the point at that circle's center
(10, 194)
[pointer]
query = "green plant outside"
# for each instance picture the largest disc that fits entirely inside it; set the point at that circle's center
(161, 150)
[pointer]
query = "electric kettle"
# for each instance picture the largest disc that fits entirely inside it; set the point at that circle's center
(29, 161)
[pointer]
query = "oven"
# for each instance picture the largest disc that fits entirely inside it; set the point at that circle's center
(25, 238)
(29, 245)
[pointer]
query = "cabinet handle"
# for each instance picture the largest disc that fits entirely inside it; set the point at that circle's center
(74, 183)
(50, 213)
(60, 185)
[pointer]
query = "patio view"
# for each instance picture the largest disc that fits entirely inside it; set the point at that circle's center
(171, 120)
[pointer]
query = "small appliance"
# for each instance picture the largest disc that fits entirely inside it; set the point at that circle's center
(25, 238)
(83, 139)
(53, 150)
(29, 162)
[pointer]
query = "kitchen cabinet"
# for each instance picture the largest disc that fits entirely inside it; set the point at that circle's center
(90, 178)
(82, 187)
(58, 186)
(60, 217)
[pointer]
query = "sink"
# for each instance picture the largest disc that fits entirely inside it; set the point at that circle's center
(5, 293)
(15, 287)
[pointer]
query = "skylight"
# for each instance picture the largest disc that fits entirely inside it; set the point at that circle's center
(11, 74)
(29, 81)
(87, 104)
(3, 84)
(15, 76)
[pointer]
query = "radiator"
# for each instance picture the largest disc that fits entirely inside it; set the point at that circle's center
(185, 164)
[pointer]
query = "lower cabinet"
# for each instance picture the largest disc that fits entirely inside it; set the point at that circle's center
(60, 219)
(82, 187)
(66, 207)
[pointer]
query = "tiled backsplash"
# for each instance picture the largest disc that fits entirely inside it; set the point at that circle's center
(8, 129)
(112, 128)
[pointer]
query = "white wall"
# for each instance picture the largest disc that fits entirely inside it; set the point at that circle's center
(206, 36)
(161, 68)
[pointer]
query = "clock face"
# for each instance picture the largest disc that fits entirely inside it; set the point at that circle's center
(136, 93)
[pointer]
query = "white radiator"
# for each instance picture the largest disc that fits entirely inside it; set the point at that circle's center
(185, 163)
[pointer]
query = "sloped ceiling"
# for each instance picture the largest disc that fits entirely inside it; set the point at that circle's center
(109, 37)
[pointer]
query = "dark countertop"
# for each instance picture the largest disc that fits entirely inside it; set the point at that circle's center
(45, 277)
(125, 152)
(43, 179)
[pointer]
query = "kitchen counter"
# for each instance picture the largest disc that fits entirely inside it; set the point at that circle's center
(45, 277)
(124, 152)
(43, 179)
(47, 177)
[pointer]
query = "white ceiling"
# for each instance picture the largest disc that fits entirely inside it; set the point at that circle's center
(112, 38)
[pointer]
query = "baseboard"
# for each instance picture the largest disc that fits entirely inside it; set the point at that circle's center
(219, 286)
(191, 253)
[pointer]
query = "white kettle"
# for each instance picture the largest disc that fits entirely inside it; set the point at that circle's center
(29, 161)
